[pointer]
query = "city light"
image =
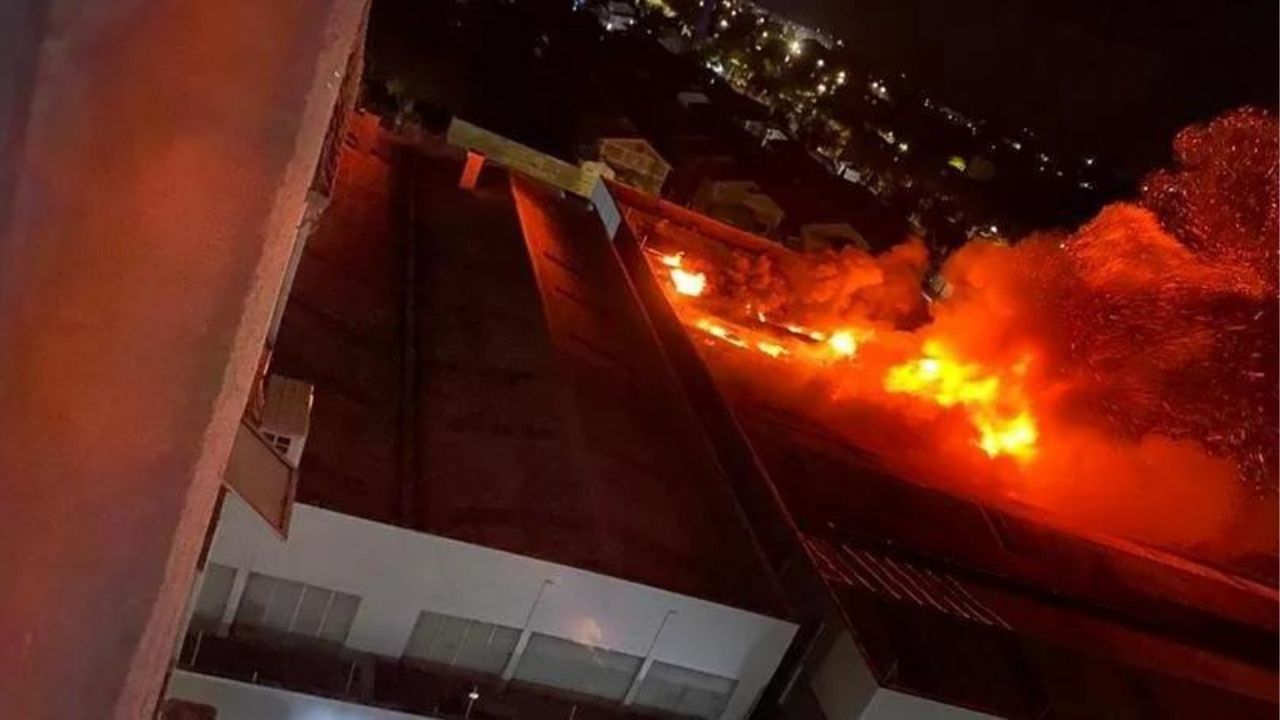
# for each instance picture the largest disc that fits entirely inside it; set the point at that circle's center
(795, 47)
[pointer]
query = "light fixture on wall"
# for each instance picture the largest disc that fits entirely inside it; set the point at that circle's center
(472, 697)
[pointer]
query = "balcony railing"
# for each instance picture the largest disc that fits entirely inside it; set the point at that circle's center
(325, 670)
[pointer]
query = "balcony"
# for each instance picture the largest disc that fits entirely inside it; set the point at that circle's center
(328, 671)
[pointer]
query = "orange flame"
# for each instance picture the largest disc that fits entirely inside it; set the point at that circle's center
(686, 282)
(843, 343)
(771, 349)
(996, 410)
(717, 330)
(1153, 337)
(1005, 425)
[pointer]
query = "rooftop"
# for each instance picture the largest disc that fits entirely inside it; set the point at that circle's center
(514, 396)
(987, 606)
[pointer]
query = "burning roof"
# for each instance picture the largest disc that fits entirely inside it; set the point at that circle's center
(1122, 375)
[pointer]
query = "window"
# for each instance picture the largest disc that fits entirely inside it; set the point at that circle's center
(271, 603)
(211, 603)
(470, 644)
(578, 668)
(683, 691)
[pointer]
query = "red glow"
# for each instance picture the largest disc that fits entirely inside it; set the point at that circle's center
(1121, 375)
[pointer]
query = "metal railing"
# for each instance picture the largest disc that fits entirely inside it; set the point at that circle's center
(330, 671)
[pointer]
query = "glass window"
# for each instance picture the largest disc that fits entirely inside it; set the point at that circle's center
(286, 606)
(211, 604)
(311, 610)
(339, 618)
(470, 644)
(684, 691)
(575, 667)
(282, 606)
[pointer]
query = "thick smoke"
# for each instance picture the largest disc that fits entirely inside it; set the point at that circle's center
(1154, 373)
(1145, 343)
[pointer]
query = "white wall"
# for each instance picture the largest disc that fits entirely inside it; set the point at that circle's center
(893, 705)
(243, 701)
(842, 681)
(398, 573)
(847, 690)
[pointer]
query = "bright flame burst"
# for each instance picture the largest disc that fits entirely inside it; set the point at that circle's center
(717, 330)
(771, 349)
(1004, 423)
(995, 408)
(843, 343)
(686, 282)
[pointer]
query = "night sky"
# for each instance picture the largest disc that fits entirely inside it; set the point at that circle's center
(1116, 78)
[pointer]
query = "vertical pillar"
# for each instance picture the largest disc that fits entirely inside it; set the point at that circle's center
(234, 596)
(648, 661)
(523, 641)
(154, 162)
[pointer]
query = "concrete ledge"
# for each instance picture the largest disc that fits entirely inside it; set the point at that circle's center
(156, 192)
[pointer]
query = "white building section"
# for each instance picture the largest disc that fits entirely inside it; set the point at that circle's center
(641, 645)
(846, 690)
(244, 701)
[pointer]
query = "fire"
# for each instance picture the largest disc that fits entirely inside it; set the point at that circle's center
(843, 343)
(686, 282)
(1015, 437)
(1000, 418)
(717, 330)
(1152, 329)
(771, 349)
(801, 330)
(1005, 426)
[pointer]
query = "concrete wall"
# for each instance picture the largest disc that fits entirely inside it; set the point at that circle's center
(842, 680)
(895, 705)
(153, 166)
(242, 701)
(399, 572)
(846, 690)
